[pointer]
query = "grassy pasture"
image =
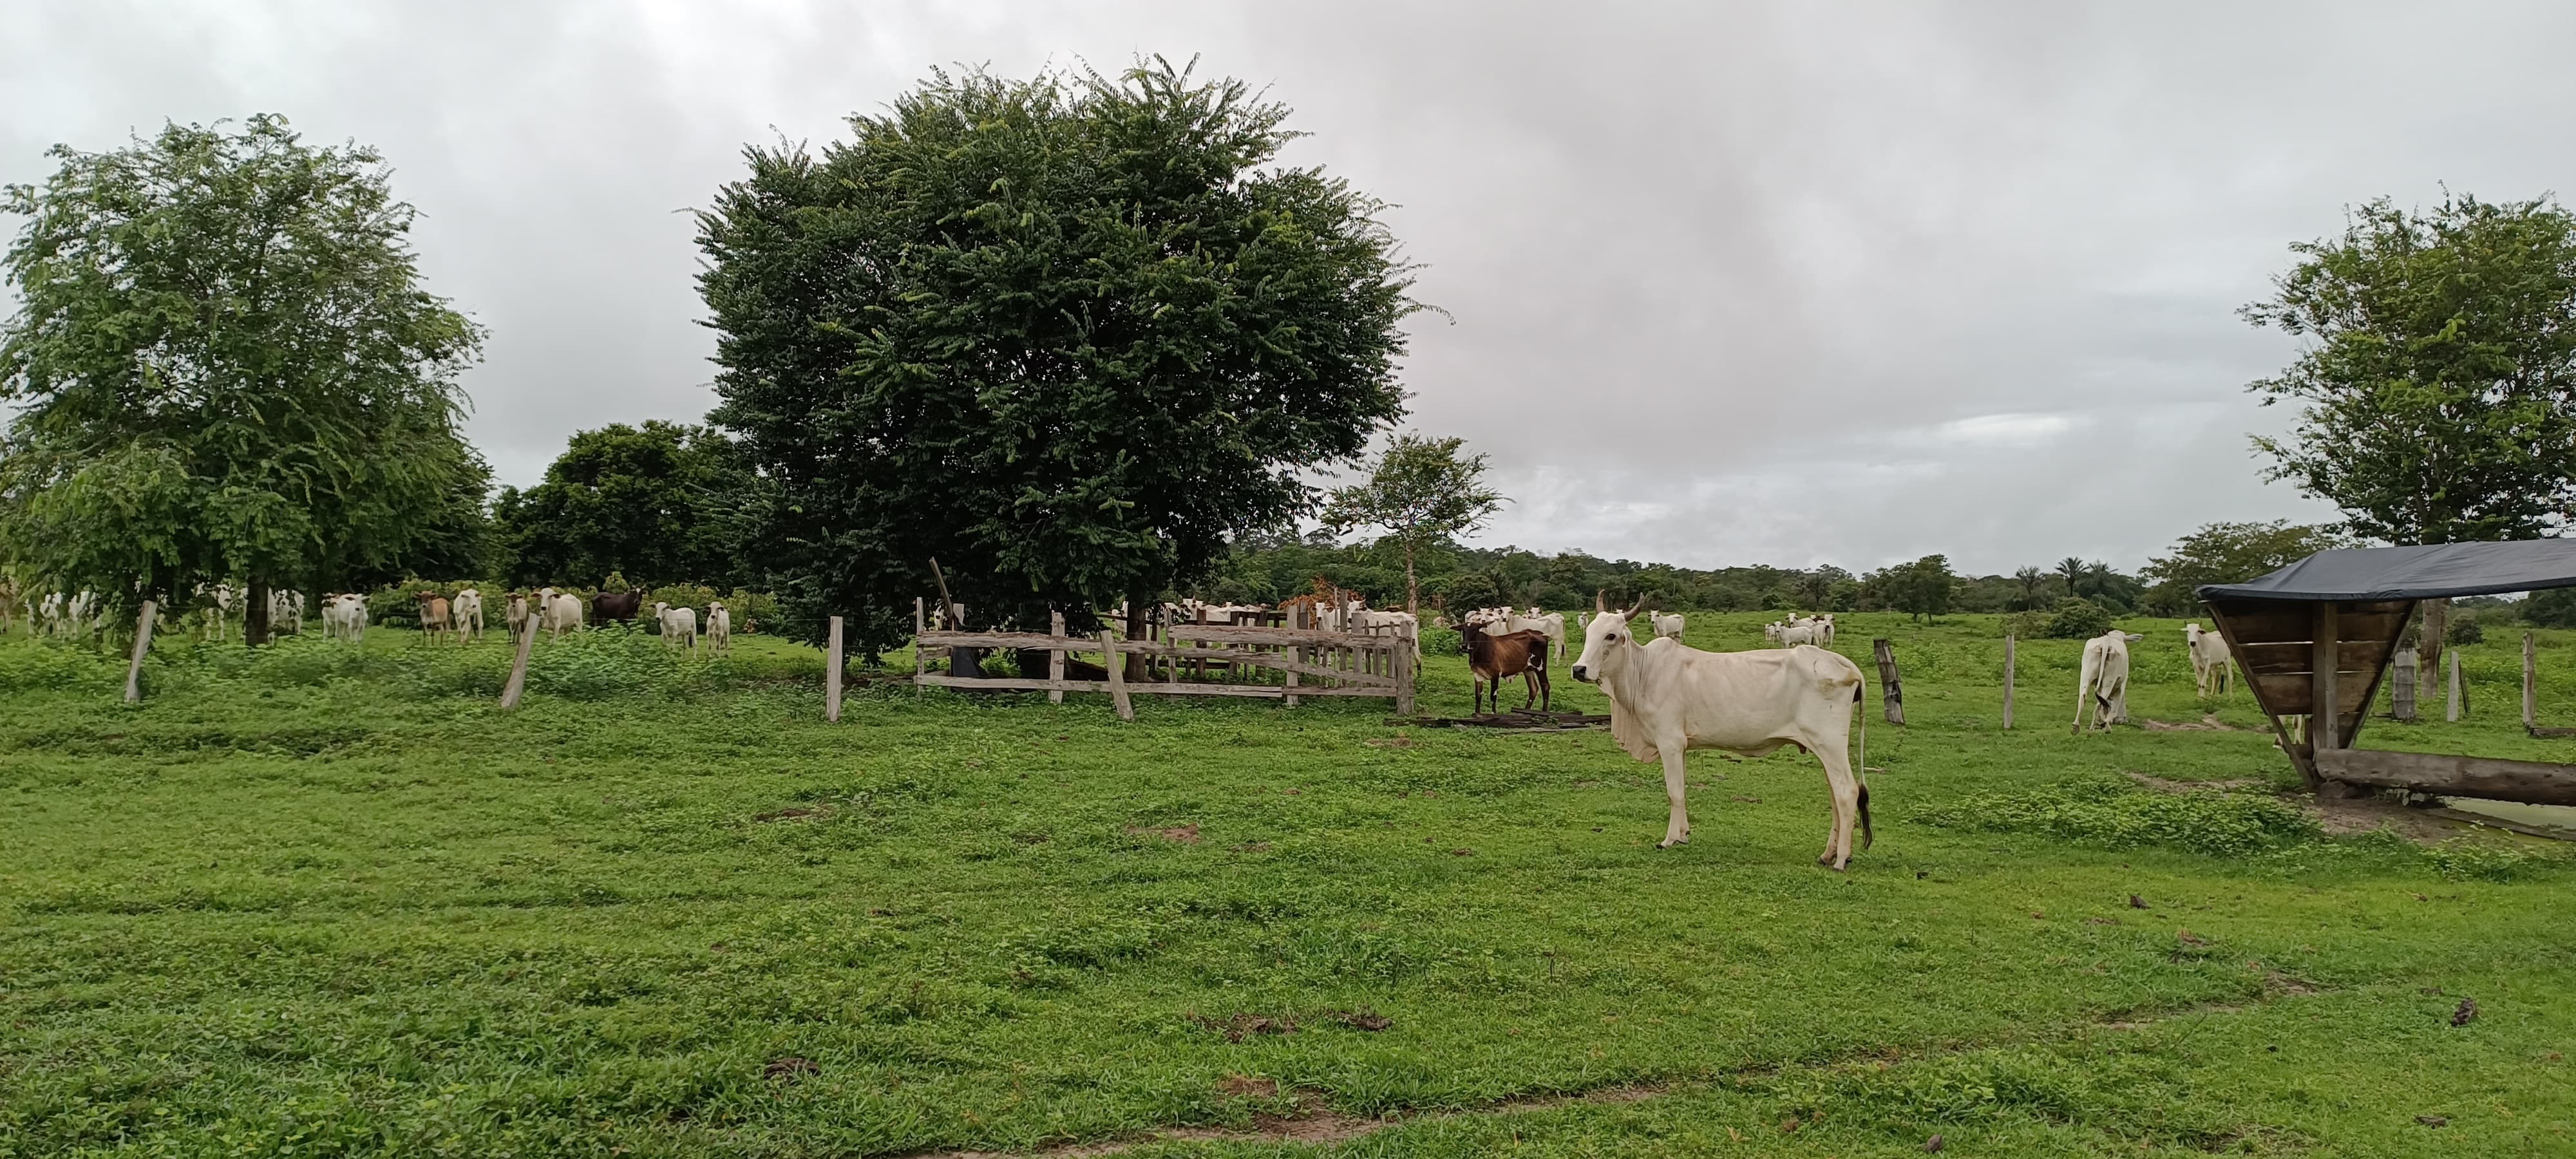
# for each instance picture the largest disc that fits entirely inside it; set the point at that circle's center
(327, 902)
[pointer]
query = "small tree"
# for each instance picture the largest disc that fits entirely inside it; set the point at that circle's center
(225, 368)
(663, 503)
(1422, 491)
(2226, 553)
(1922, 588)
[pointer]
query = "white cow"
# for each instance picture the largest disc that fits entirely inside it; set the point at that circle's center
(1667, 698)
(344, 616)
(2209, 660)
(285, 610)
(2104, 685)
(220, 599)
(558, 612)
(719, 628)
(1791, 633)
(679, 625)
(466, 613)
(1506, 621)
(1666, 627)
(1401, 625)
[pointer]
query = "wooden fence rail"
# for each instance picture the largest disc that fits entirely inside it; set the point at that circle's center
(1190, 659)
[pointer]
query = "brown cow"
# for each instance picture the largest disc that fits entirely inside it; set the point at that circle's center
(617, 605)
(1523, 654)
(433, 615)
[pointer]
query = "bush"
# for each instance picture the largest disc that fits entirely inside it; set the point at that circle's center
(2464, 630)
(2077, 618)
(2111, 814)
(2555, 608)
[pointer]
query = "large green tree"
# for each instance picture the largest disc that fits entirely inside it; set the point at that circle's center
(1422, 491)
(1066, 335)
(2437, 379)
(225, 369)
(662, 503)
(2226, 553)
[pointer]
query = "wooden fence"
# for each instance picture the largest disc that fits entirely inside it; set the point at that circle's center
(1286, 663)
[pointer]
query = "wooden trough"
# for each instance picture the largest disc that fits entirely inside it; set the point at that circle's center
(2315, 639)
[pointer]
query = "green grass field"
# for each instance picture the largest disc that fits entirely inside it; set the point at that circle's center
(325, 903)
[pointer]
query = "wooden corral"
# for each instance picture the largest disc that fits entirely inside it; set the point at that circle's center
(2316, 638)
(1286, 663)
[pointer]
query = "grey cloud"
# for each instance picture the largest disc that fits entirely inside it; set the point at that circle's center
(1730, 283)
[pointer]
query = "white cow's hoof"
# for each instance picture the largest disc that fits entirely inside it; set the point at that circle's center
(1669, 842)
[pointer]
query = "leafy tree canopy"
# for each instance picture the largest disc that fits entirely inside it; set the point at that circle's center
(2437, 387)
(2226, 553)
(1066, 335)
(1422, 492)
(1922, 588)
(662, 503)
(225, 368)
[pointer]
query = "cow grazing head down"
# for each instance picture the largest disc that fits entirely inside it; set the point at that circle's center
(1606, 640)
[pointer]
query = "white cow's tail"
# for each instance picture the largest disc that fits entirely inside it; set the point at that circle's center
(1860, 761)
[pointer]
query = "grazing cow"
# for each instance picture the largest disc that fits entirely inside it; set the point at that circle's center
(2209, 660)
(618, 606)
(720, 629)
(1523, 654)
(344, 615)
(467, 610)
(220, 599)
(516, 615)
(558, 613)
(1666, 627)
(678, 625)
(2104, 683)
(1667, 698)
(434, 619)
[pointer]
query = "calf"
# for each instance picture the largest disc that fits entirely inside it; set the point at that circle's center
(1666, 627)
(679, 626)
(434, 621)
(467, 611)
(2209, 660)
(1523, 654)
(720, 628)
(558, 613)
(517, 614)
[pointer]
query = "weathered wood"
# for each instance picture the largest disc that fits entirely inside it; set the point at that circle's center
(1403, 668)
(2222, 613)
(1117, 675)
(832, 674)
(2530, 682)
(519, 664)
(1889, 691)
(2008, 679)
(996, 640)
(2457, 700)
(2323, 674)
(142, 647)
(919, 622)
(1055, 656)
(2403, 674)
(2486, 778)
(1295, 620)
(2273, 621)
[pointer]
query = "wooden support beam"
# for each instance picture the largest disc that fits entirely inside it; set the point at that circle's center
(2458, 701)
(2487, 778)
(832, 674)
(1117, 675)
(2404, 676)
(2326, 650)
(1055, 656)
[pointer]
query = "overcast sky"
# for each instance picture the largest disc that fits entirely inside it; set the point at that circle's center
(1786, 283)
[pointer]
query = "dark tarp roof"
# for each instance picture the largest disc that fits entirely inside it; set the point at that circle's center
(2431, 571)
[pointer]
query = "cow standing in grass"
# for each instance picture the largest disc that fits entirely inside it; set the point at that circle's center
(1667, 698)
(2103, 685)
(1492, 657)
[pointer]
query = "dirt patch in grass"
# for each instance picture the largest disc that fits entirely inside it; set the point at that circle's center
(1177, 835)
(2348, 816)
(1247, 1086)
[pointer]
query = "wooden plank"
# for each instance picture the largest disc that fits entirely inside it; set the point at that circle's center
(2273, 621)
(1249, 657)
(1237, 634)
(2368, 656)
(518, 682)
(1055, 656)
(2530, 683)
(2223, 614)
(1161, 688)
(1890, 691)
(2291, 693)
(2322, 702)
(1009, 683)
(142, 647)
(832, 674)
(2008, 679)
(1295, 620)
(989, 640)
(1117, 676)
(2401, 694)
(2486, 778)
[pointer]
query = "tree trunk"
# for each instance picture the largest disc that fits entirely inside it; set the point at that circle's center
(2437, 626)
(255, 614)
(1412, 588)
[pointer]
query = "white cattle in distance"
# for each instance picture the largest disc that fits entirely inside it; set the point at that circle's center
(1506, 621)
(2103, 687)
(285, 611)
(2209, 660)
(466, 612)
(719, 628)
(679, 625)
(1666, 627)
(558, 612)
(1667, 698)
(344, 617)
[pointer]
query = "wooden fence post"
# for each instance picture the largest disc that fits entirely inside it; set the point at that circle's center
(1889, 690)
(1117, 675)
(1401, 664)
(2404, 676)
(1055, 657)
(2008, 679)
(1296, 619)
(832, 675)
(2458, 700)
(142, 645)
(519, 664)
(2325, 656)
(2530, 683)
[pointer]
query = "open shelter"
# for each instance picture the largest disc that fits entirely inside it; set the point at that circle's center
(2315, 639)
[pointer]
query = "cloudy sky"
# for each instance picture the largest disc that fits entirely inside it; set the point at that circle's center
(1784, 283)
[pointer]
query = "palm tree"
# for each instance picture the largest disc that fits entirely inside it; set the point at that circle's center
(2032, 580)
(2070, 569)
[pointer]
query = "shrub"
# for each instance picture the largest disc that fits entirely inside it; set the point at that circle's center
(2077, 618)
(2111, 814)
(2464, 630)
